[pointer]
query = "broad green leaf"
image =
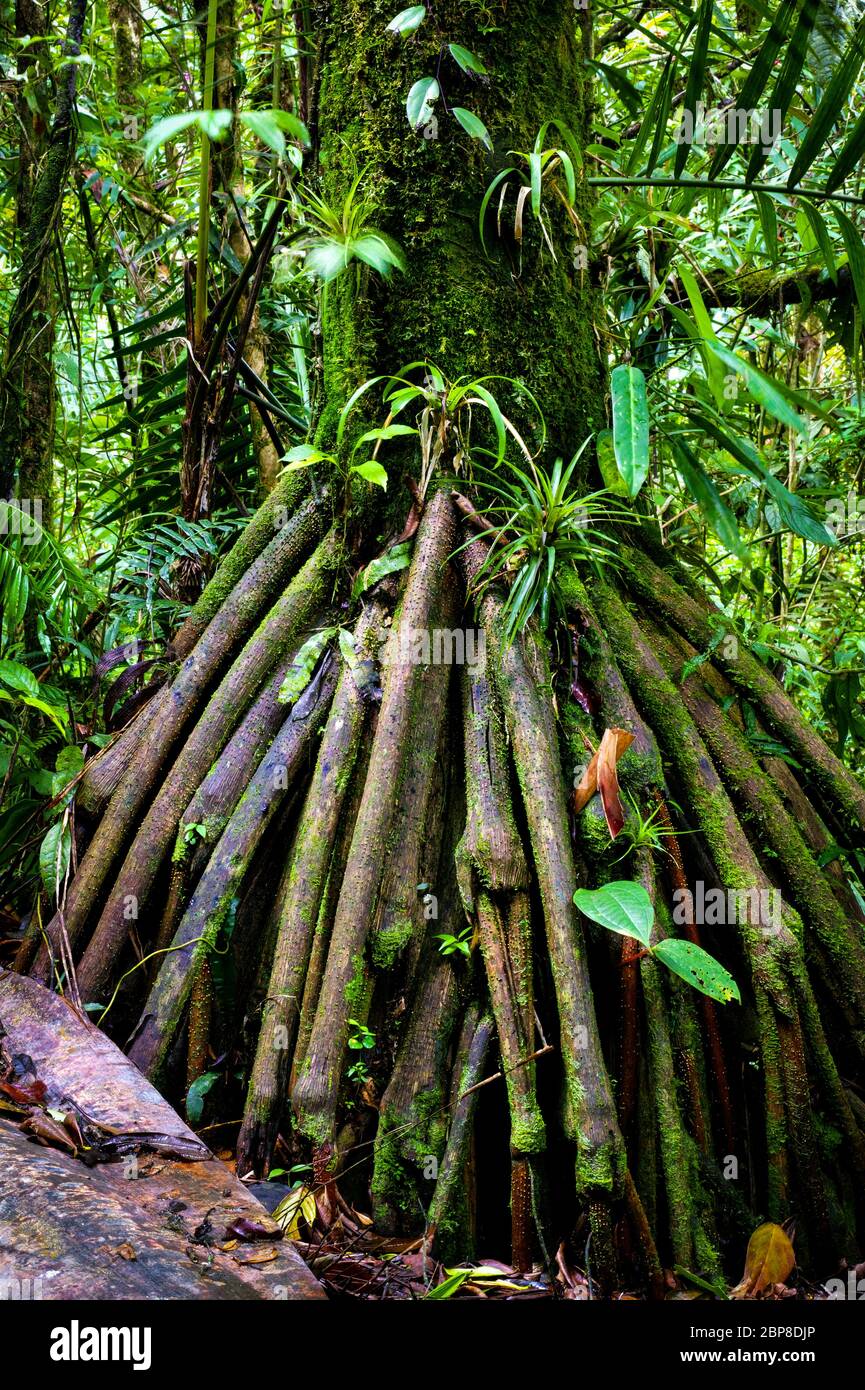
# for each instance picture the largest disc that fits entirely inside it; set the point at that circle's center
(419, 103)
(165, 130)
(472, 125)
(385, 432)
(272, 126)
(196, 1093)
(372, 472)
(379, 252)
(613, 481)
(768, 224)
(214, 124)
(299, 673)
(327, 258)
(54, 855)
(346, 647)
(407, 20)
(303, 456)
(393, 560)
(700, 969)
(467, 61)
(630, 426)
(18, 677)
(622, 906)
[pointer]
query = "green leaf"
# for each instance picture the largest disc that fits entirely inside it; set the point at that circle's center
(793, 509)
(630, 426)
(393, 560)
(850, 157)
(714, 370)
(54, 855)
(700, 969)
(467, 61)
(165, 130)
(696, 76)
(214, 124)
(346, 647)
(472, 125)
(380, 252)
(707, 497)
(385, 432)
(831, 108)
(760, 72)
(272, 126)
(784, 89)
(299, 673)
(821, 236)
(613, 481)
(623, 907)
(420, 100)
(372, 472)
(18, 677)
(196, 1093)
(448, 1287)
(407, 20)
(760, 387)
(303, 456)
(852, 239)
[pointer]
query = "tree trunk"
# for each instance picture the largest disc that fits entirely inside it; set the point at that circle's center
(409, 888)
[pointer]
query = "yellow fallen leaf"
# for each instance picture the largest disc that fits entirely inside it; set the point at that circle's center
(770, 1259)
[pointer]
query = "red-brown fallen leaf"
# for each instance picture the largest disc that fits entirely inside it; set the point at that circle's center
(614, 742)
(613, 745)
(31, 1094)
(770, 1260)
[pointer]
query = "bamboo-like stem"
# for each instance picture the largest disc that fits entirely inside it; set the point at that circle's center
(204, 181)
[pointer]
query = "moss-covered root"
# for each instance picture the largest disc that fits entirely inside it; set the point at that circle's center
(266, 533)
(450, 1229)
(250, 597)
(268, 528)
(398, 926)
(292, 615)
(699, 623)
(207, 814)
(689, 1242)
(810, 891)
(816, 836)
(278, 774)
(675, 868)
(494, 875)
(412, 1123)
(406, 691)
(773, 948)
(298, 905)
(523, 682)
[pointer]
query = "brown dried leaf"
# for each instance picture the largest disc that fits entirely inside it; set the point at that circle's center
(613, 745)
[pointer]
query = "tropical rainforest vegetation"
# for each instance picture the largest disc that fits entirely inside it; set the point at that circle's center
(431, 725)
